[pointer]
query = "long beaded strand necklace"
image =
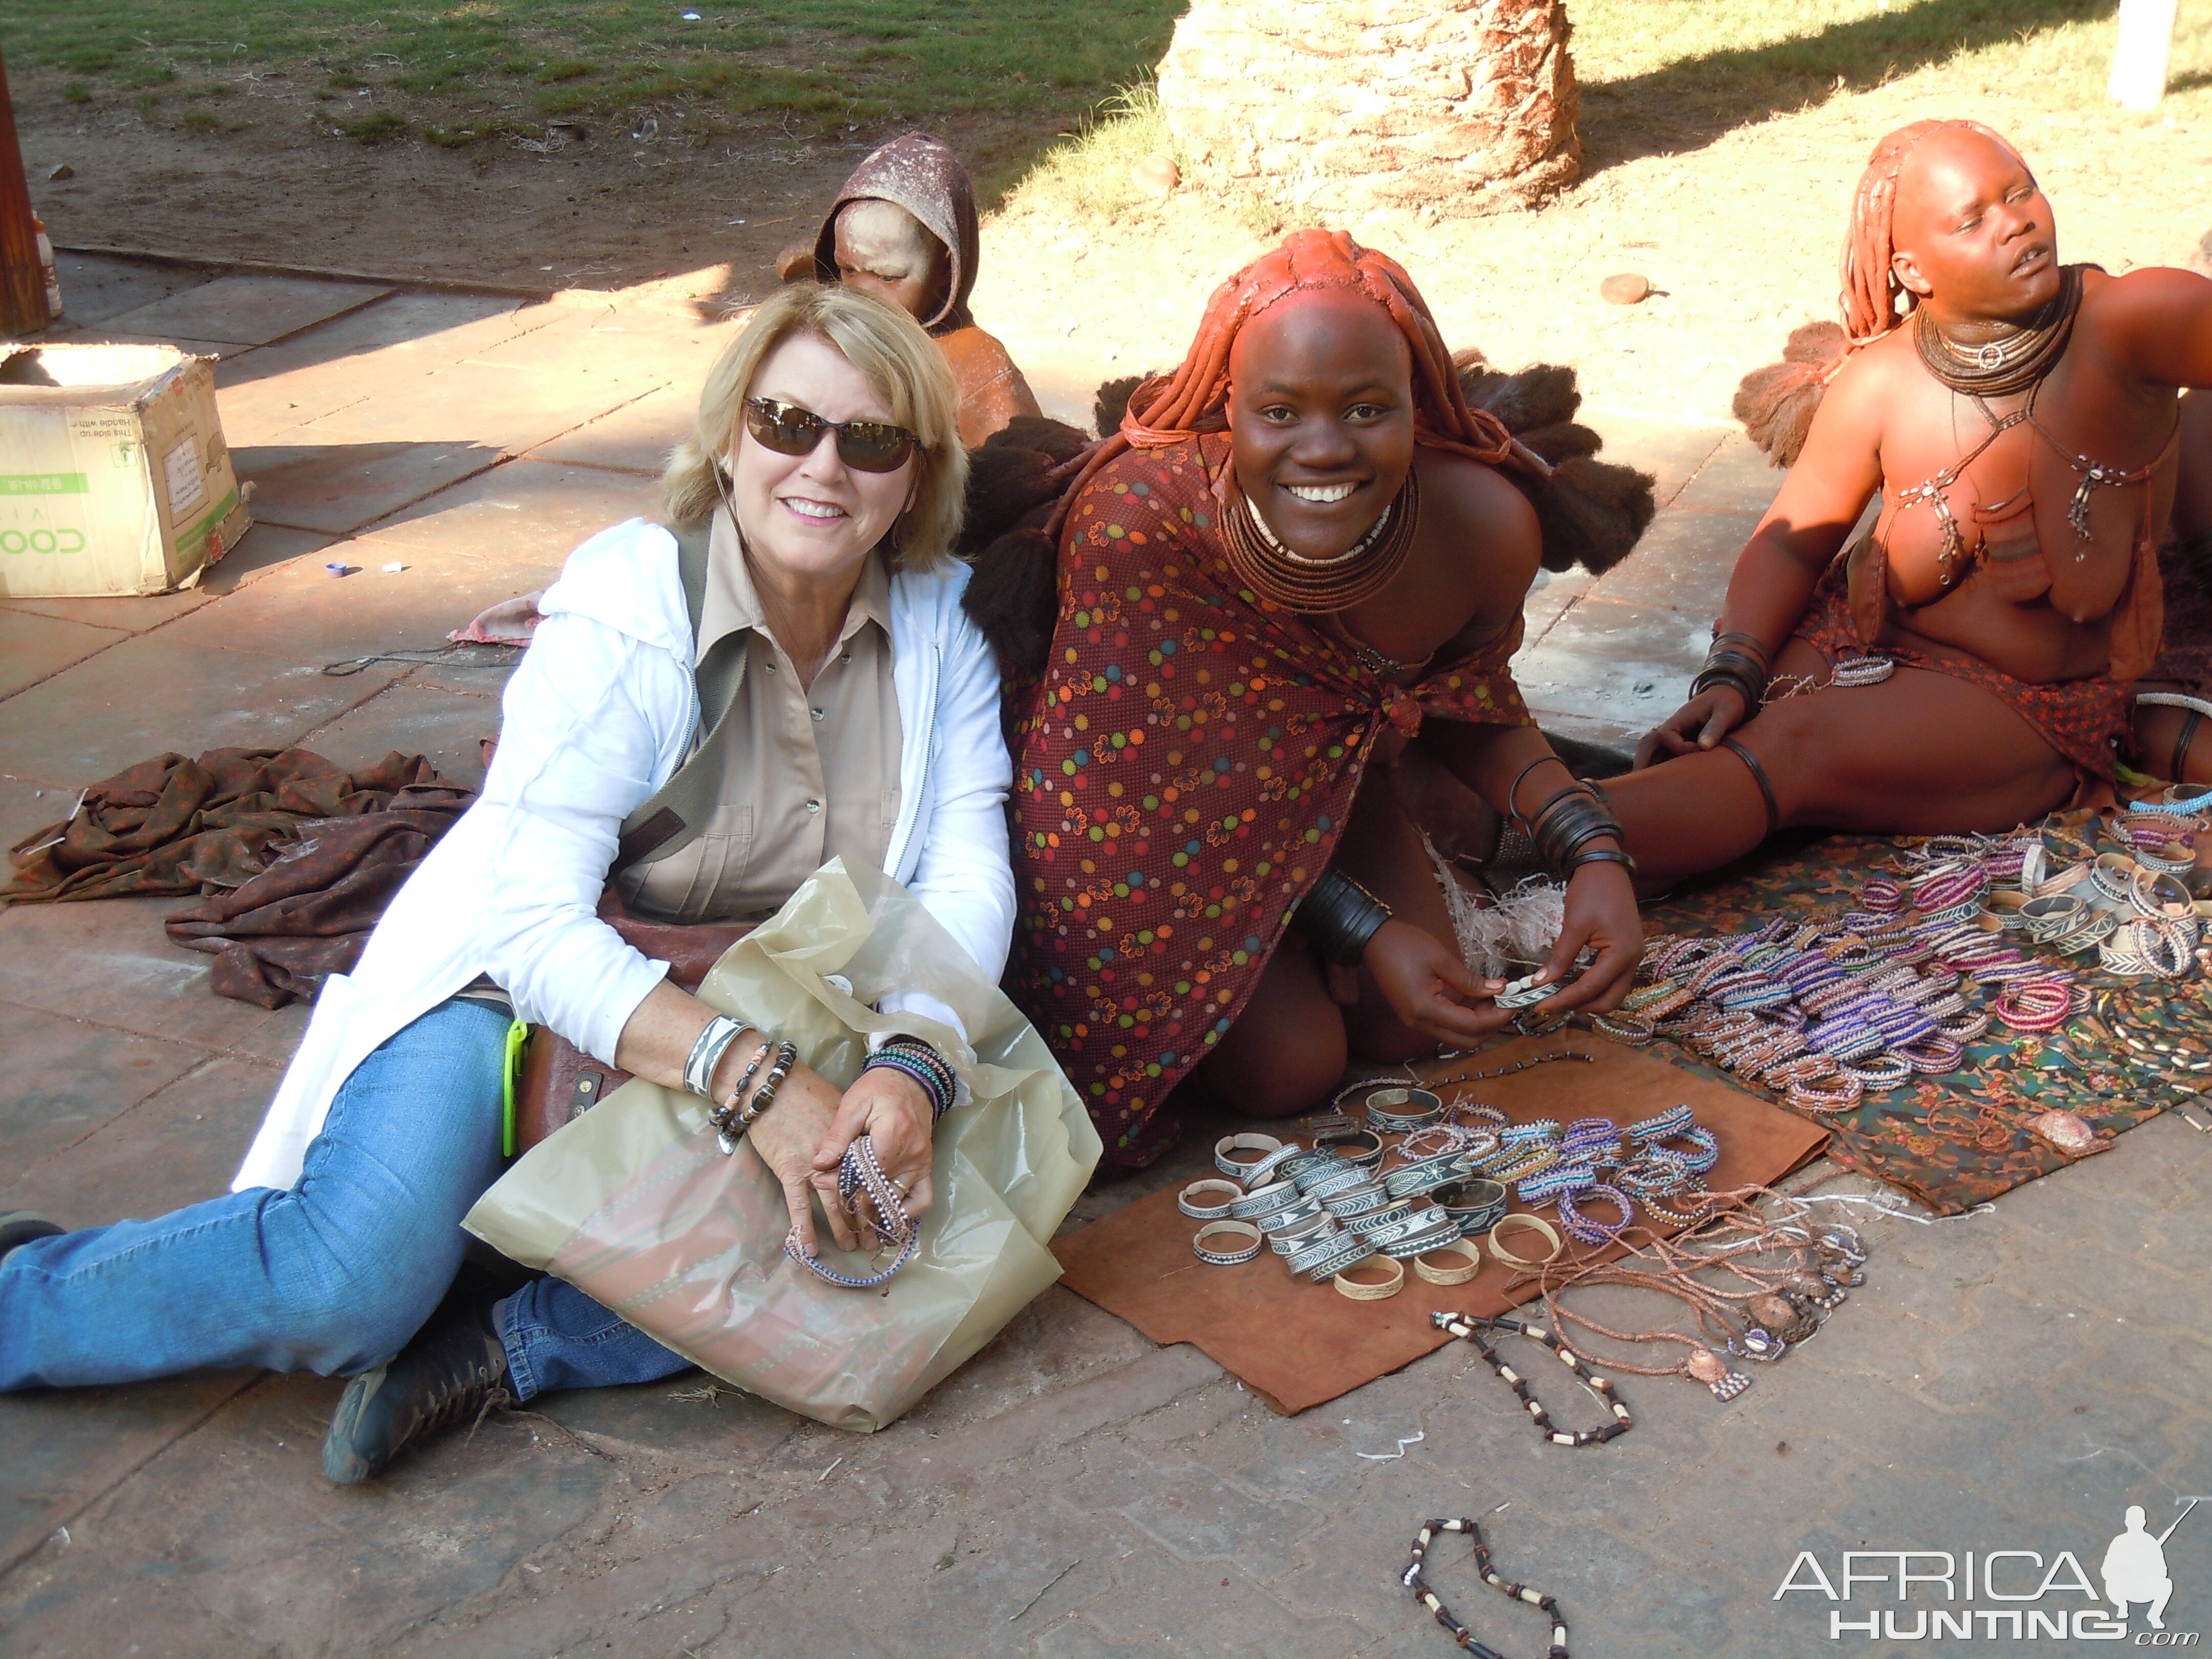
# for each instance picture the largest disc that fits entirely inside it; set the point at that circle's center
(1470, 1326)
(1415, 1580)
(1320, 588)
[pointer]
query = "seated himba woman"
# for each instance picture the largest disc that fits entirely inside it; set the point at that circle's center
(1298, 551)
(2018, 417)
(2174, 700)
(903, 229)
(806, 591)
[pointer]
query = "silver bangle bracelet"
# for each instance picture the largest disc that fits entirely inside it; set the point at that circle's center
(1247, 1245)
(707, 1050)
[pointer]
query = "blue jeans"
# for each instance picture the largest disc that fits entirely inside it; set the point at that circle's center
(334, 1275)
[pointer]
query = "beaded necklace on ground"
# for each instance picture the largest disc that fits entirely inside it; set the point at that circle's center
(1414, 1579)
(1320, 588)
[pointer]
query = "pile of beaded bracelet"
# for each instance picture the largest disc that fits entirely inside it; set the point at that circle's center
(1587, 1230)
(2037, 1005)
(2158, 947)
(737, 1115)
(911, 1057)
(1591, 1140)
(1554, 1184)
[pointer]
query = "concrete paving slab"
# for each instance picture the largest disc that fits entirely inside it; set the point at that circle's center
(32, 646)
(511, 405)
(1670, 451)
(145, 694)
(247, 310)
(302, 614)
(603, 344)
(73, 1078)
(65, 1449)
(393, 345)
(200, 1123)
(218, 349)
(264, 548)
(525, 513)
(135, 613)
(1623, 664)
(449, 727)
(1683, 563)
(327, 484)
(97, 286)
(1549, 601)
(1736, 477)
(636, 438)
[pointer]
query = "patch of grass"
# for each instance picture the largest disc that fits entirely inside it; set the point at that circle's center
(77, 93)
(201, 120)
(378, 126)
(460, 137)
(1086, 174)
(1667, 74)
(818, 64)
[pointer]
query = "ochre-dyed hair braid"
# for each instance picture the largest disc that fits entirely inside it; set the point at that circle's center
(1870, 289)
(1174, 409)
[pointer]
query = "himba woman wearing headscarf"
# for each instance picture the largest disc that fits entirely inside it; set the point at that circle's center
(1298, 551)
(903, 229)
(1968, 664)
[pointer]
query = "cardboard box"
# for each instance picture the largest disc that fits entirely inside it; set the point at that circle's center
(114, 477)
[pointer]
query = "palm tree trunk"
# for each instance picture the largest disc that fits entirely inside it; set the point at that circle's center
(1333, 108)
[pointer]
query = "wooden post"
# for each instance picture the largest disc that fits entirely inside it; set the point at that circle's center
(22, 278)
(2139, 61)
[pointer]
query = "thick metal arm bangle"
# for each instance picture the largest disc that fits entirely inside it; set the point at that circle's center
(1339, 917)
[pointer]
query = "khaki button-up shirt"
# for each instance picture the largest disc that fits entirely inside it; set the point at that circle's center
(806, 775)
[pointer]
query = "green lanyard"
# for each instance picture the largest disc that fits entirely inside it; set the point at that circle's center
(518, 1038)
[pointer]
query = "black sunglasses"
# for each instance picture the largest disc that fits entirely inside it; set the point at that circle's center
(863, 445)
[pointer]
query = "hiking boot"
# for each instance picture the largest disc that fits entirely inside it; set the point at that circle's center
(453, 1371)
(21, 1227)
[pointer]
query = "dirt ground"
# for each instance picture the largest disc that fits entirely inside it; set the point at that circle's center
(602, 203)
(1737, 232)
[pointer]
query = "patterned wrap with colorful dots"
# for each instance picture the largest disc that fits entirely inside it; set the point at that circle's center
(1185, 768)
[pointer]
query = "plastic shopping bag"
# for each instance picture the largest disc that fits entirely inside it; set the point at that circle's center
(635, 1203)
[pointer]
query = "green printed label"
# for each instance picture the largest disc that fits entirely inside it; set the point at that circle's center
(44, 483)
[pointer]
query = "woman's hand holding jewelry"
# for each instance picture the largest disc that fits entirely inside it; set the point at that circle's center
(893, 1111)
(786, 1136)
(1428, 987)
(1600, 913)
(1698, 724)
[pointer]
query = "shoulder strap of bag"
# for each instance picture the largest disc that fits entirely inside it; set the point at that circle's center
(673, 817)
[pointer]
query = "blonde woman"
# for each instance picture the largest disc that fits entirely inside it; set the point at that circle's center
(827, 469)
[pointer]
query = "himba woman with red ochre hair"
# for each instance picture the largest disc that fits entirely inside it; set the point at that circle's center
(1968, 664)
(1298, 551)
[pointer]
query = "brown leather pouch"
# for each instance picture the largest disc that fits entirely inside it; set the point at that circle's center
(559, 1081)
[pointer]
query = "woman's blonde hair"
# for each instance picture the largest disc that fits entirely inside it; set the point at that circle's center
(904, 366)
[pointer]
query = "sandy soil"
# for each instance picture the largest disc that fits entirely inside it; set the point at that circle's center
(1738, 234)
(1741, 238)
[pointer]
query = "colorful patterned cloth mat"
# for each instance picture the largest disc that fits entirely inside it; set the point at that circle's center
(1956, 1140)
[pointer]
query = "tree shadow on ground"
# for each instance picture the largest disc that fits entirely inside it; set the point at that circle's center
(1691, 104)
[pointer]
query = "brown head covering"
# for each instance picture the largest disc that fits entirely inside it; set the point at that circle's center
(921, 174)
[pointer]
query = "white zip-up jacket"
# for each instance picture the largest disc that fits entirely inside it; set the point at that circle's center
(598, 718)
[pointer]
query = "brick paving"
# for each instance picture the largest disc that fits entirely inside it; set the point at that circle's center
(2013, 1379)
